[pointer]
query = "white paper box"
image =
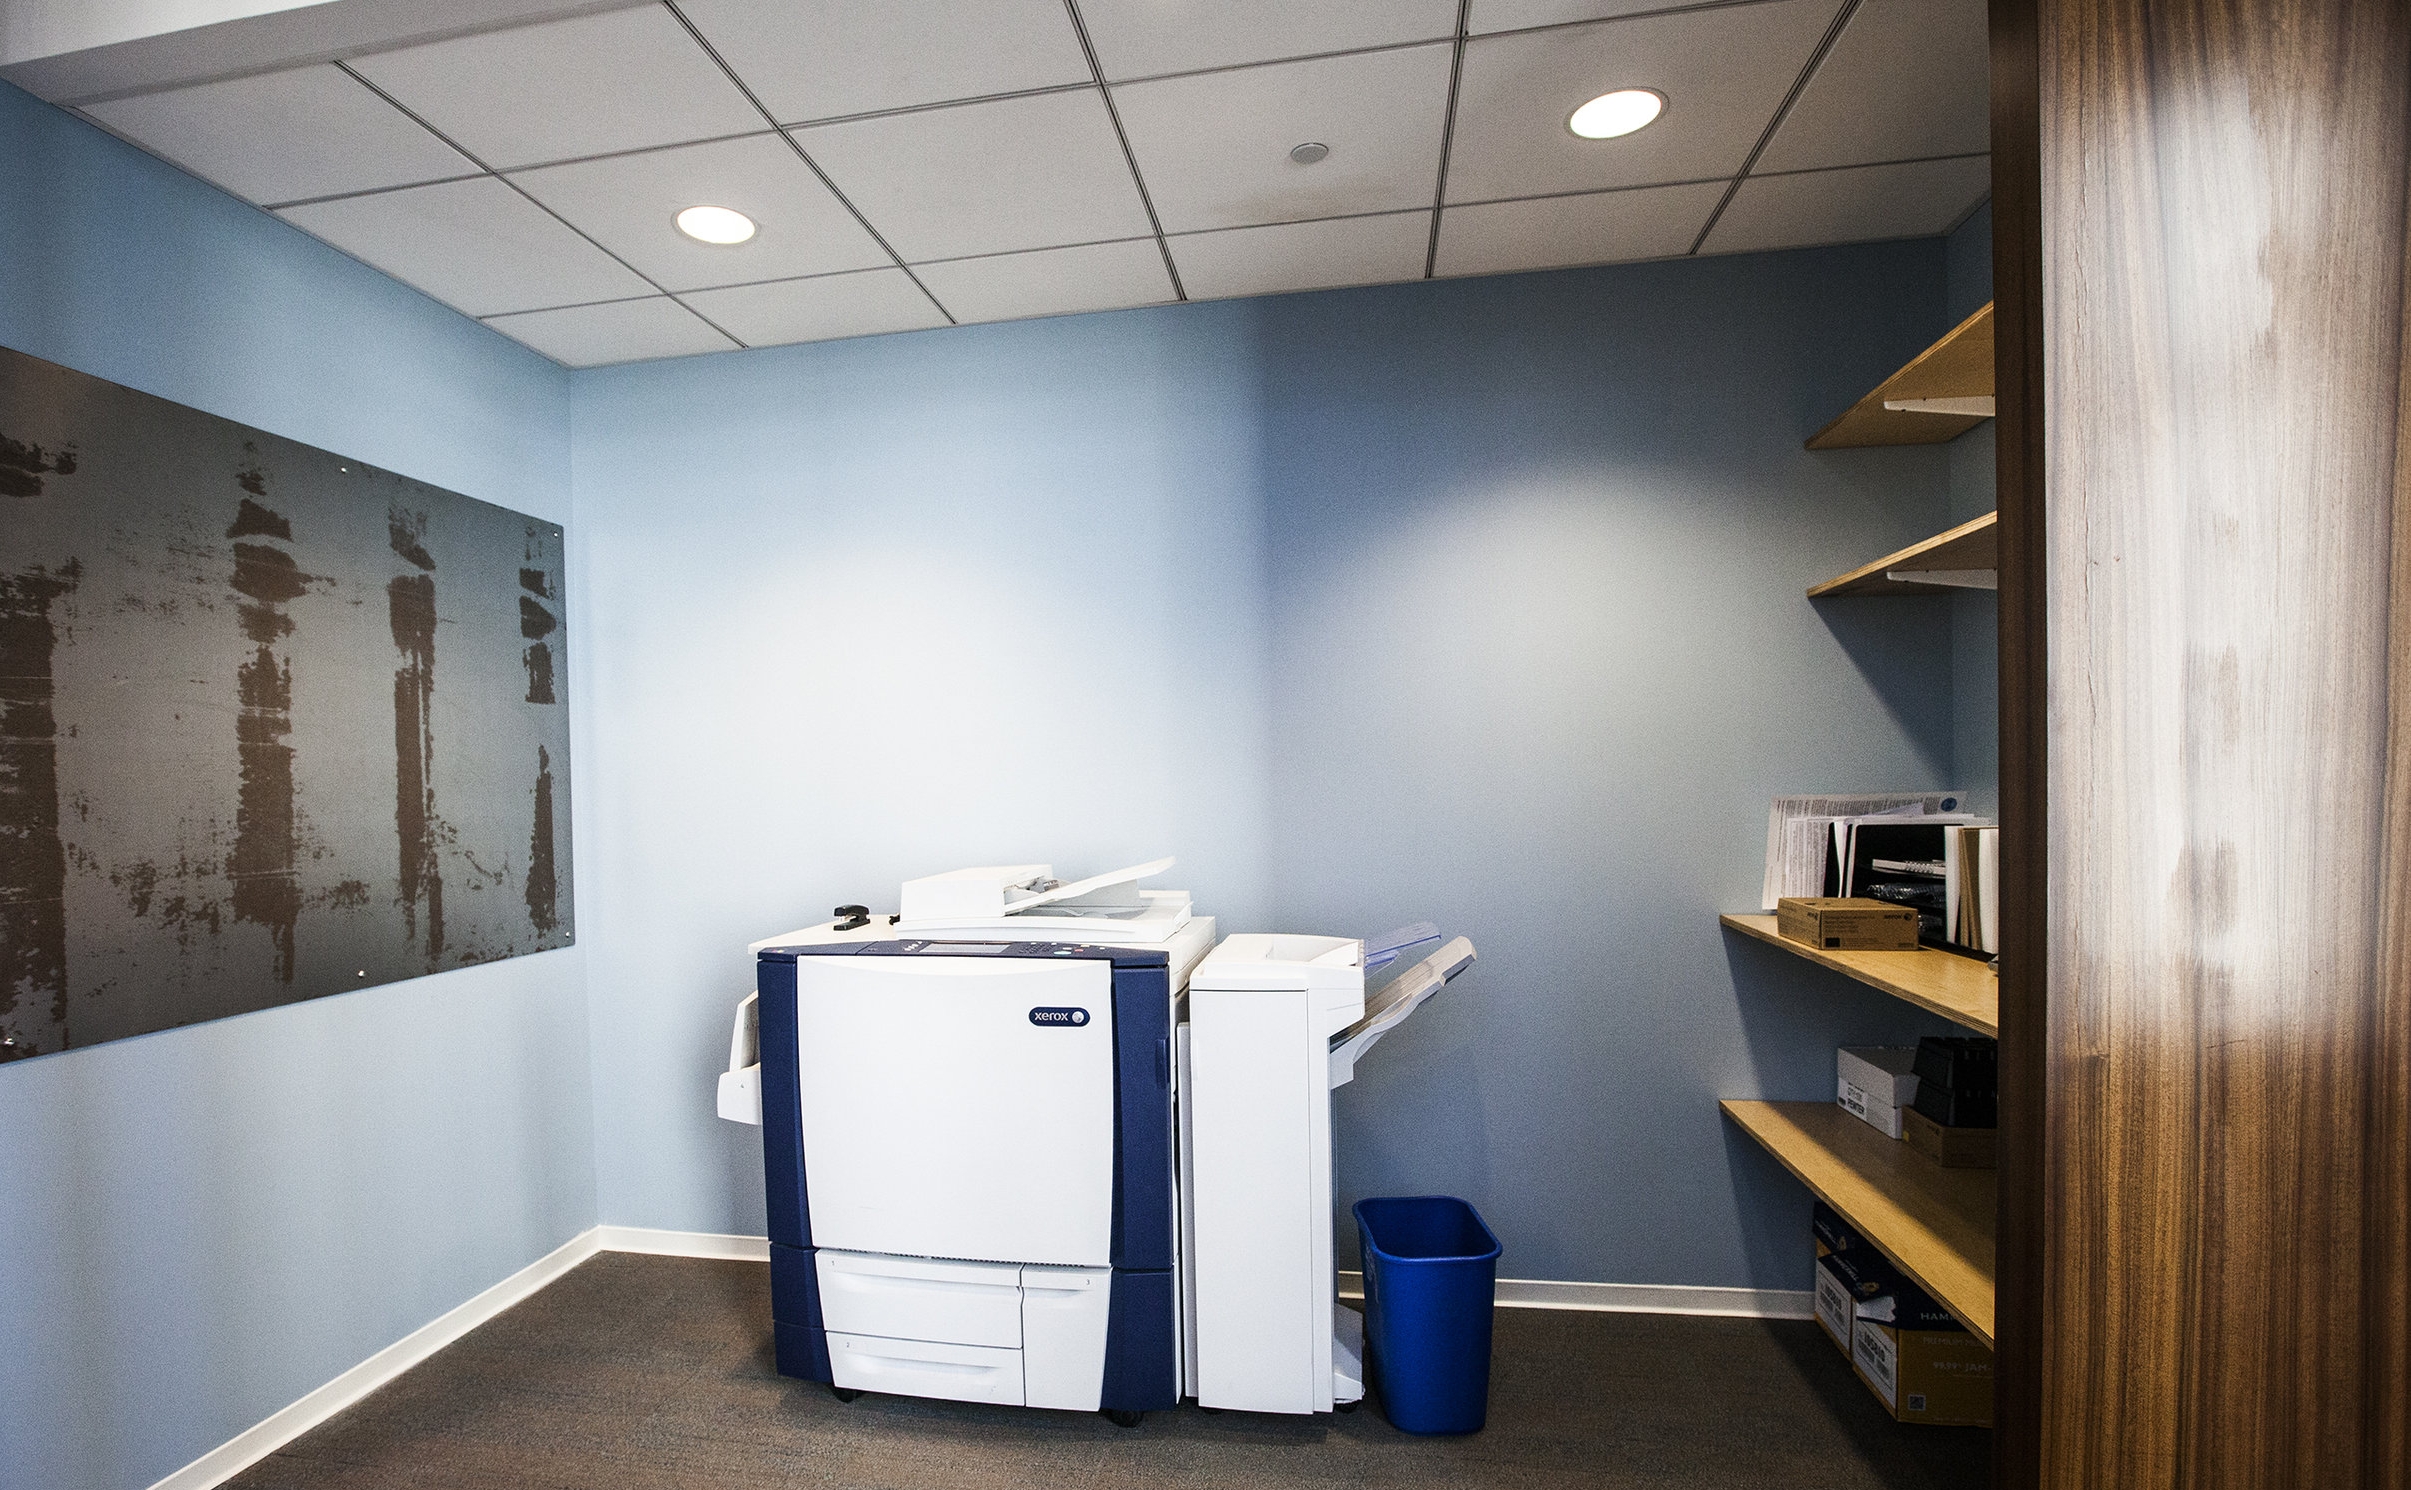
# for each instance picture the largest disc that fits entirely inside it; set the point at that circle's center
(1874, 1082)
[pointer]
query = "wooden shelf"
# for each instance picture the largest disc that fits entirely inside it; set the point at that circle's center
(1935, 1224)
(1959, 989)
(1958, 366)
(1971, 545)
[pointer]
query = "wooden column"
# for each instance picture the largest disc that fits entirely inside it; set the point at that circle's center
(2206, 672)
(2018, 299)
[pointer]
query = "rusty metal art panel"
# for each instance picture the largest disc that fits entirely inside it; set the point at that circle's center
(274, 724)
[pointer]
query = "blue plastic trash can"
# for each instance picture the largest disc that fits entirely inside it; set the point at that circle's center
(1430, 1268)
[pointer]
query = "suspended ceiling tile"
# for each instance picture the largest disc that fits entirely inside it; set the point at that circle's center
(834, 305)
(1144, 38)
(630, 203)
(1862, 204)
(1724, 73)
(478, 246)
(819, 59)
(1611, 227)
(281, 136)
(1050, 281)
(622, 80)
(1303, 255)
(1214, 148)
(981, 178)
(1510, 15)
(1905, 79)
(621, 331)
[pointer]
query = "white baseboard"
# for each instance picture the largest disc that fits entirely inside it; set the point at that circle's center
(260, 1440)
(279, 1428)
(1635, 1298)
(682, 1243)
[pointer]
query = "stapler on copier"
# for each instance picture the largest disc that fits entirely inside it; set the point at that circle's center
(1020, 1147)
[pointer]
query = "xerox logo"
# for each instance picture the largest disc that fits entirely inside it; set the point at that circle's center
(1059, 1016)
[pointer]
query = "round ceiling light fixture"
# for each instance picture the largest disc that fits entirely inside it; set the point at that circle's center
(1618, 113)
(1310, 152)
(721, 225)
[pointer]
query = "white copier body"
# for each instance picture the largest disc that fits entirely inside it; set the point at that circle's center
(1256, 1151)
(961, 1105)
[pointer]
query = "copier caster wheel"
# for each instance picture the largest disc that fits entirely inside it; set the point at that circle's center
(1347, 1406)
(1123, 1417)
(845, 1394)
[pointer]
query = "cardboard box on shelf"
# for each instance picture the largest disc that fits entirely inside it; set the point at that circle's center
(1833, 1234)
(1875, 1083)
(1921, 1363)
(1853, 925)
(1833, 1301)
(1836, 1308)
(1952, 1148)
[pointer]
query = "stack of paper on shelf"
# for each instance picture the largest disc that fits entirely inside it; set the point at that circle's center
(1802, 834)
(1972, 887)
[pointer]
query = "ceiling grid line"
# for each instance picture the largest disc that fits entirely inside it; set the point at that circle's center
(805, 156)
(478, 161)
(533, 165)
(1448, 132)
(1659, 14)
(1138, 179)
(1816, 59)
(539, 310)
(1869, 165)
(373, 191)
(1335, 54)
(902, 109)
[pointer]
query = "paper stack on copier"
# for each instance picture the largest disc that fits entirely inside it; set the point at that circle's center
(1028, 1142)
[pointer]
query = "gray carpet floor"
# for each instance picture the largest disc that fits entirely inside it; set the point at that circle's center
(632, 1373)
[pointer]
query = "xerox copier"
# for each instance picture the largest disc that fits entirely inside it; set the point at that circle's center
(977, 1116)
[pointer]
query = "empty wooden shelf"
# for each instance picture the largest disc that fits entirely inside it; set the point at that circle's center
(1965, 552)
(1935, 1224)
(1958, 367)
(1960, 989)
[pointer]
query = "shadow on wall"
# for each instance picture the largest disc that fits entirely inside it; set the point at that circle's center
(1880, 633)
(1429, 1084)
(1790, 1011)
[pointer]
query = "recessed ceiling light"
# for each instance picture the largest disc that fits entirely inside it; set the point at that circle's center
(1310, 152)
(715, 225)
(1617, 113)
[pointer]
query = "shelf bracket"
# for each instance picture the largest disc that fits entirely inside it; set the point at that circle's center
(1956, 579)
(1976, 404)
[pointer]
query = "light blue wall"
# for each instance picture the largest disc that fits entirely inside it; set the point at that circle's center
(880, 608)
(199, 1226)
(1478, 600)
(1540, 658)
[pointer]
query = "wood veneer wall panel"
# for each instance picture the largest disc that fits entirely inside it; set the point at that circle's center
(2387, 1374)
(2223, 213)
